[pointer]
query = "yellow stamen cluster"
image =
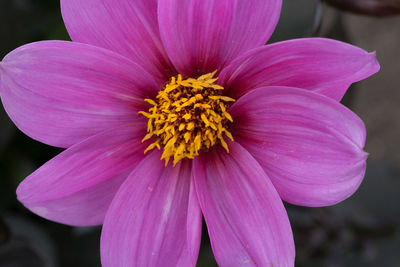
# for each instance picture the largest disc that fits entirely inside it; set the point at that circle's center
(188, 116)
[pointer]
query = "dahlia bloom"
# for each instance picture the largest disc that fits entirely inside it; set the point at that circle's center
(245, 126)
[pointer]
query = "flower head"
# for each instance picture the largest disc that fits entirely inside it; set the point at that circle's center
(247, 125)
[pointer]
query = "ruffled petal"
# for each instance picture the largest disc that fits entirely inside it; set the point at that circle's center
(203, 36)
(61, 93)
(325, 66)
(77, 186)
(151, 221)
(127, 27)
(246, 220)
(309, 145)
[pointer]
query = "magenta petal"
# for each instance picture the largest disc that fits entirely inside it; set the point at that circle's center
(153, 220)
(194, 221)
(246, 220)
(77, 186)
(127, 27)
(203, 36)
(60, 93)
(322, 65)
(309, 145)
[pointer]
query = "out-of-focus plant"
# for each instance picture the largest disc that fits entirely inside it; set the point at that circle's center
(377, 8)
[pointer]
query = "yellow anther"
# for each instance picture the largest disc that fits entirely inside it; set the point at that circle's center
(197, 85)
(151, 102)
(185, 83)
(205, 120)
(220, 97)
(147, 137)
(211, 81)
(147, 115)
(199, 97)
(217, 87)
(222, 106)
(228, 116)
(152, 146)
(212, 125)
(171, 88)
(224, 144)
(207, 76)
(197, 142)
(228, 134)
(187, 117)
(190, 126)
(187, 136)
(211, 138)
(180, 149)
(150, 125)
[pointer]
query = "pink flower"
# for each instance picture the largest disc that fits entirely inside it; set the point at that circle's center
(293, 140)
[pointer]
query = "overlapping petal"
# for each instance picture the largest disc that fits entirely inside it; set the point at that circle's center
(127, 27)
(151, 221)
(309, 145)
(246, 220)
(60, 93)
(202, 36)
(194, 222)
(325, 66)
(77, 186)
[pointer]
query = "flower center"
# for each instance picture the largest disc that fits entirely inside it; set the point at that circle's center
(187, 117)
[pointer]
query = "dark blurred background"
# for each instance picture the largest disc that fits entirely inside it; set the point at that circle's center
(361, 231)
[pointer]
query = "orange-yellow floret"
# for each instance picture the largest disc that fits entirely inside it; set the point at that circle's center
(188, 116)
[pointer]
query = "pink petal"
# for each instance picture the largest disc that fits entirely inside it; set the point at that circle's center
(152, 220)
(60, 93)
(194, 222)
(246, 220)
(127, 27)
(77, 186)
(308, 144)
(322, 65)
(203, 36)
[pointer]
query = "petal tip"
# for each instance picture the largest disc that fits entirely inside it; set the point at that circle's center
(364, 155)
(23, 195)
(374, 62)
